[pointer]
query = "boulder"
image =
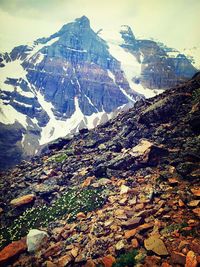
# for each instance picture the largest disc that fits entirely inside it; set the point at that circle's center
(34, 239)
(12, 250)
(22, 200)
(147, 152)
(155, 244)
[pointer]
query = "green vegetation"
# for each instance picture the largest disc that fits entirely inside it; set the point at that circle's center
(126, 260)
(174, 227)
(68, 205)
(60, 158)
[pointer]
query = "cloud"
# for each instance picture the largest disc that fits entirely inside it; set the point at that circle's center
(174, 22)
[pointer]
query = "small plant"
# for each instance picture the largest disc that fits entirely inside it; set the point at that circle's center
(71, 203)
(126, 260)
(60, 158)
(174, 227)
(196, 96)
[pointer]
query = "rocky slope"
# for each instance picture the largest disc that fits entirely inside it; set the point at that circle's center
(77, 78)
(125, 193)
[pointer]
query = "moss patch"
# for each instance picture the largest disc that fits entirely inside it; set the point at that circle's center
(69, 204)
(174, 227)
(126, 260)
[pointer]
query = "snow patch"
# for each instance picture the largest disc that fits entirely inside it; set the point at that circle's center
(111, 36)
(13, 70)
(8, 115)
(111, 75)
(76, 50)
(36, 47)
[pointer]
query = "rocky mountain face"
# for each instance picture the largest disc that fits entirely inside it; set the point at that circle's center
(123, 194)
(76, 79)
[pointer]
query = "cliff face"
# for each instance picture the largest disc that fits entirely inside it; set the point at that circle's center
(132, 182)
(78, 79)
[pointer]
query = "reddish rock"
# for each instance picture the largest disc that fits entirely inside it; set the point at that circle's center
(74, 252)
(90, 263)
(87, 182)
(50, 264)
(145, 226)
(134, 243)
(193, 203)
(108, 261)
(196, 192)
(64, 261)
(12, 250)
(80, 215)
(173, 181)
(139, 206)
(178, 258)
(22, 200)
(152, 261)
(181, 203)
(165, 264)
(196, 212)
(191, 259)
(52, 250)
(130, 233)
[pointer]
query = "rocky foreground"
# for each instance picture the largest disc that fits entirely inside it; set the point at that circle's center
(124, 194)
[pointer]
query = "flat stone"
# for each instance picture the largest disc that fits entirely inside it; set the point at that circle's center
(64, 260)
(22, 200)
(145, 226)
(80, 215)
(155, 244)
(50, 264)
(193, 203)
(178, 258)
(74, 252)
(108, 222)
(132, 222)
(52, 250)
(130, 233)
(120, 245)
(196, 192)
(173, 181)
(90, 263)
(102, 182)
(87, 182)
(165, 264)
(196, 212)
(181, 203)
(12, 250)
(134, 243)
(124, 189)
(141, 148)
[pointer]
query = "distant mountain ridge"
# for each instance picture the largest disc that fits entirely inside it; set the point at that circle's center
(74, 79)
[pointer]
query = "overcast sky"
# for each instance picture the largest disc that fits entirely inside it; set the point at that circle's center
(174, 22)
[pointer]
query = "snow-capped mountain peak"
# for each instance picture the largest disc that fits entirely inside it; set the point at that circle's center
(77, 78)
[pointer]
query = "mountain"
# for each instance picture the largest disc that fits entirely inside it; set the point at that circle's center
(74, 79)
(131, 183)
